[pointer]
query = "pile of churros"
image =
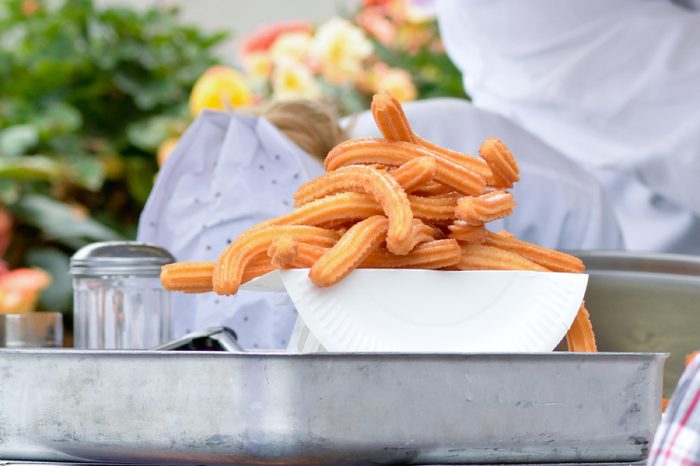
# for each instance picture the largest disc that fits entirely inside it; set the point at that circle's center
(395, 202)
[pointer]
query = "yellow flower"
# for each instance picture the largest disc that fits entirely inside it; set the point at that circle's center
(291, 46)
(258, 66)
(292, 80)
(220, 88)
(395, 80)
(340, 49)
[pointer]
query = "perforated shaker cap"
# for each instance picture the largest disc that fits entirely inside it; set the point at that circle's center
(119, 258)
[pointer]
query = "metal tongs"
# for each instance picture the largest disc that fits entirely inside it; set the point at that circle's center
(210, 339)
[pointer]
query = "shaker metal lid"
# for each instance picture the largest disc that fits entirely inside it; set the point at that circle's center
(119, 258)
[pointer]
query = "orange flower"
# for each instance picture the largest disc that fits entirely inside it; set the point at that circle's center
(395, 80)
(265, 36)
(20, 288)
(29, 7)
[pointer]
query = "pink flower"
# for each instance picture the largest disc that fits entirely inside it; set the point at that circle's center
(263, 38)
(373, 21)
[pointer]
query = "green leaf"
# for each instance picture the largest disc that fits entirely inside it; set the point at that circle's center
(87, 172)
(139, 178)
(18, 139)
(58, 296)
(61, 222)
(59, 117)
(148, 134)
(36, 168)
(9, 191)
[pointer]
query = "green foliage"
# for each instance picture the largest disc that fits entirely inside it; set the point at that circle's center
(86, 96)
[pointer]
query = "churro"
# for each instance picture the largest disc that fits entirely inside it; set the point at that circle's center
(485, 208)
(580, 337)
(480, 257)
(435, 254)
(396, 153)
(390, 118)
(393, 124)
(379, 184)
(415, 173)
(553, 260)
(465, 233)
(229, 269)
(432, 188)
(501, 162)
(331, 210)
(350, 251)
(189, 277)
(433, 209)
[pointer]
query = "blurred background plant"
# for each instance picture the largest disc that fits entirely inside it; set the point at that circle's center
(389, 45)
(86, 97)
(384, 45)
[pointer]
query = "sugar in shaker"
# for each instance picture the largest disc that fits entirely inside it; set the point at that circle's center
(118, 301)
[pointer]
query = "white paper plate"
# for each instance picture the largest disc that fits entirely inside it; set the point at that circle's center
(435, 311)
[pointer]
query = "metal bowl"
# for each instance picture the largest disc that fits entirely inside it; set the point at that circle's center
(645, 303)
(31, 330)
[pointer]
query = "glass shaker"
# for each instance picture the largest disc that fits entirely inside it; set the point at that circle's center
(118, 301)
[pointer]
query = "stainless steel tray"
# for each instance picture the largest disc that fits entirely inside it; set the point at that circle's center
(224, 408)
(645, 302)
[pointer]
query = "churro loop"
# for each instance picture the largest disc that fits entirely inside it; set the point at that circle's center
(396, 153)
(229, 269)
(421, 233)
(480, 257)
(415, 173)
(390, 118)
(435, 254)
(501, 162)
(553, 260)
(393, 124)
(383, 187)
(350, 251)
(485, 208)
(580, 337)
(465, 233)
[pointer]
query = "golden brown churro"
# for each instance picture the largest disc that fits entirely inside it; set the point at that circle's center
(349, 252)
(379, 184)
(436, 254)
(372, 151)
(480, 257)
(393, 124)
(229, 269)
(485, 208)
(415, 173)
(465, 233)
(501, 162)
(580, 337)
(553, 260)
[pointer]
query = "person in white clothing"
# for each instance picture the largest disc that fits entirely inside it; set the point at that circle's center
(231, 171)
(613, 85)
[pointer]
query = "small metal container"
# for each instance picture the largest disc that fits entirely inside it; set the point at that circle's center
(118, 301)
(31, 330)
